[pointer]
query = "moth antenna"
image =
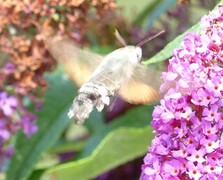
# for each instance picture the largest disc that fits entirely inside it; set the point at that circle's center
(120, 38)
(149, 38)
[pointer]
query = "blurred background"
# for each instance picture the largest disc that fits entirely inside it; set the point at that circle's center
(37, 140)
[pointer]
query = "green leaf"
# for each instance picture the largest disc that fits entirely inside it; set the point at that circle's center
(135, 120)
(127, 8)
(167, 51)
(146, 12)
(36, 174)
(68, 146)
(138, 118)
(158, 11)
(116, 148)
(51, 123)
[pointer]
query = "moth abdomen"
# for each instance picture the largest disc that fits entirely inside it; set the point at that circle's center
(89, 95)
(81, 108)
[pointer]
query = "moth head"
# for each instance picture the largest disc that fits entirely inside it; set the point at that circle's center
(134, 53)
(131, 50)
(138, 53)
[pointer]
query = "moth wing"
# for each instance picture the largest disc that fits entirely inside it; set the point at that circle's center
(143, 87)
(78, 63)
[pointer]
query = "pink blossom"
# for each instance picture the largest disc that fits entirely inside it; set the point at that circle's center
(189, 120)
(7, 103)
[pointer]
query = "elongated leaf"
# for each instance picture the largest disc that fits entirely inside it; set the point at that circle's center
(51, 123)
(36, 175)
(167, 51)
(139, 117)
(136, 119)
(131, 5)
(68, 146)
(146, 12)
(117, 147)
(158, 11)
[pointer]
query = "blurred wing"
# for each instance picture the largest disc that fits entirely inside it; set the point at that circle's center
(143, 87)
(78, 63)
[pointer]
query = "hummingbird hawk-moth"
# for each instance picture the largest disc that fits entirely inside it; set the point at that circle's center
(101, 78)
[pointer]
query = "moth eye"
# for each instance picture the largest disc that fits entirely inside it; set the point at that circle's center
(138, 56)
(138, 52)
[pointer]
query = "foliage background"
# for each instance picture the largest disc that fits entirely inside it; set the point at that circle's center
(109, 145)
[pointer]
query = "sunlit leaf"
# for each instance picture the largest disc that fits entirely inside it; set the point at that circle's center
(146, 12)
(117, 147)
(167, 51)
(158, 11)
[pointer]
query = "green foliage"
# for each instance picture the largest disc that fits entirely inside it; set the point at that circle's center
(107, 145)
(167, 51)
(51, 122)
(117, 147)
(157, 11)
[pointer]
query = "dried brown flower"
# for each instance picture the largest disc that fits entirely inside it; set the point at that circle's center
(22, 33)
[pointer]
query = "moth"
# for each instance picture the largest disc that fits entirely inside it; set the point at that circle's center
(102, 78)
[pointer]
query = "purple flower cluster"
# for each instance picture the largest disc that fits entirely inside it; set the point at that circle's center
(7, 127)
(13, 116)
(189, 120)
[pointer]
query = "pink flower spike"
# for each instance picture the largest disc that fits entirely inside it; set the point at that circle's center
(189, 119)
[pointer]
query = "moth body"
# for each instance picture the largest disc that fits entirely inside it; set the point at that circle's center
(100, 78)
(115, 69)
